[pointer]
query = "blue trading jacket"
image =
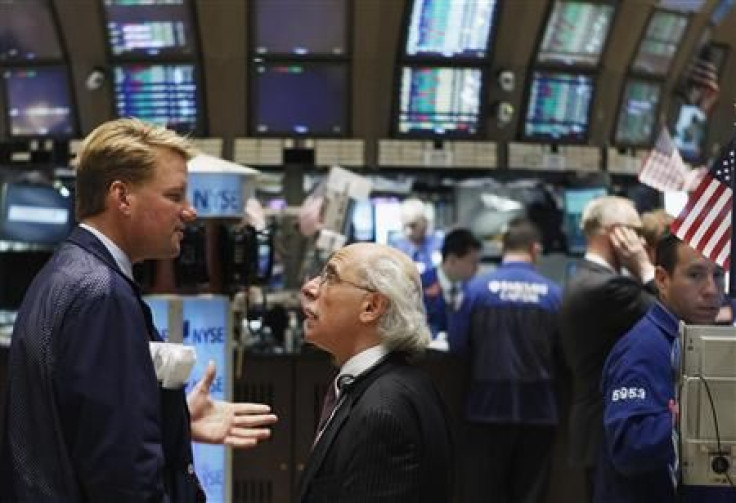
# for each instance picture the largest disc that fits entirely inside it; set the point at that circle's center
(423, 255)
(507, 324)
(639, 460)
(438, 310)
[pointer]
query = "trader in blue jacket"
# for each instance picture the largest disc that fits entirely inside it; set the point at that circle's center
(443, 286)
(639, 460)
(86, 418)
(507, 324)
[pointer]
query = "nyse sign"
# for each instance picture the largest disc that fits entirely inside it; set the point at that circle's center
(205, 326)
(217, 194)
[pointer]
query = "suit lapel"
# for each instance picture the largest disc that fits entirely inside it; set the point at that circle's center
(351, 397)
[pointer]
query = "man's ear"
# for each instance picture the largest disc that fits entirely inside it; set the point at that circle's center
(373, 307)
(119, 197)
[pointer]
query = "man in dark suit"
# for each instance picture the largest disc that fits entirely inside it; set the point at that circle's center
(600, 303)
(444, 285)
(384, 434)
(86, 418)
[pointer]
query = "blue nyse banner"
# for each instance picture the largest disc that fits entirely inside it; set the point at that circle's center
(217, 194)
(205, 326)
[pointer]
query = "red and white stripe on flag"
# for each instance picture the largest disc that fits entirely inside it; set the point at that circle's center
(705, 222)
(663, 168)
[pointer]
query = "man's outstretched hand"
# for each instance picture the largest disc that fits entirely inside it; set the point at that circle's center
(239, 425)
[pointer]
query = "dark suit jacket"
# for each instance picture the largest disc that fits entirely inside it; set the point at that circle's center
(85, 417)
(598, 307)
(389, 441)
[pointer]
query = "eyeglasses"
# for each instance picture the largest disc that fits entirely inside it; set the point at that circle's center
(329, 276)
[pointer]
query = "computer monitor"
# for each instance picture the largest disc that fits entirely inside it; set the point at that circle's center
(299, 28)
(149, 28)
(660, 43)
(576, 33)
(574, 201)
(36, 214)
(439, 101)
(38, 102)
(300, 98)
(163, 94)
(362, 221)
(637, 114)
(558, 107)
(690, 130)
(457, 29)
(28, 32)
(721, 10)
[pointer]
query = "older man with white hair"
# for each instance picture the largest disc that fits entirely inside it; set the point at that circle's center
(384, 433)
(419, 241)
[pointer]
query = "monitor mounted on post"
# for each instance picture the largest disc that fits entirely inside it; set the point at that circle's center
(38, 102)
(558, 107)
(145, 29)
(576, 33)
(163, 94)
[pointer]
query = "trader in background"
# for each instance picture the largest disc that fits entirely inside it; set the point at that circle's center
(86, 418)
(639, 462)
(507, 324)
(443, 286)
(600, 303)
(418, 240)
(383, 434)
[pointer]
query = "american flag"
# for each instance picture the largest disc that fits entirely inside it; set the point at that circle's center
(663, 168)
(705, 222)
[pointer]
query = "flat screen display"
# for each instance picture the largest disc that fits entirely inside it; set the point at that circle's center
(300, 98)
(558, 107)
(660, 43)
(574, 201)
(690, 131)
(450, 28)
(142, 28)
(638, 113)
(439, 101)
(166, 95)
(576, 33)
(37, 214)
(38, 102)
(28, 32)
(298, 27)
(722, 9)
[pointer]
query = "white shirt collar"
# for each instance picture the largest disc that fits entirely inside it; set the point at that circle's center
(121, 259)
(363, 361)
(597, 259)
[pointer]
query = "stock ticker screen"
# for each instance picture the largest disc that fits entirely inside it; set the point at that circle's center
(559, 107)
(38, 102)
(301, 28)
(166, 95)
(27, 32)
(439, 101)
(660, 43)
(638, 113)
(576, 33)
(149, 28)
(442, 28)
(300, 98)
